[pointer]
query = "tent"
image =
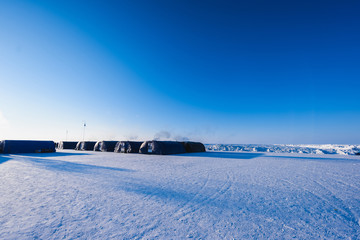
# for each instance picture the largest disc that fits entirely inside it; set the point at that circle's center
(67, 145)
(105, 146)
(128, 147)
(192, 147)
(85, 146)
(26, 146)
(162, 147)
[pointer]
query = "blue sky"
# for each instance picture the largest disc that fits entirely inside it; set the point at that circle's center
(212, 71)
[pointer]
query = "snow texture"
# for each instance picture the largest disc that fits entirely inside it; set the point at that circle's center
(211, 195)
(287, 148)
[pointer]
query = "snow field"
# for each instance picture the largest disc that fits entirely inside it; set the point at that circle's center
(213, 195)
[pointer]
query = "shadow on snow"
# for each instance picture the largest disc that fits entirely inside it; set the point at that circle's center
(59, 165)
(311, 158)
(4, 159)
(54, 154)
(233, 155)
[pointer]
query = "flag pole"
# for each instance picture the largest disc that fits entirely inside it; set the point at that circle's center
(84, 131)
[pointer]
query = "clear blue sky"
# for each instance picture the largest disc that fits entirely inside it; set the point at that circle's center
(213, 71)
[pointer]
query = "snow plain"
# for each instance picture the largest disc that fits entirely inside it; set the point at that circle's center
(212, 195)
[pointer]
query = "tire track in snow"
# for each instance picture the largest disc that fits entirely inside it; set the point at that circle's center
(184, 212)
(149, 228)
(186, 205)
(351, 186)
(334, 177)
(345, 209)
(346, 213)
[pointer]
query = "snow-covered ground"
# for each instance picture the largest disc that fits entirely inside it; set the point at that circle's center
(212, 195)
(287, 148)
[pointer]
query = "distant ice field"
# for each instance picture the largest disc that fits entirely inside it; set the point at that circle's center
(288, 148)
(212, 195)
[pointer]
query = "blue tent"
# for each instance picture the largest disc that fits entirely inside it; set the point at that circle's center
(26, 146)
(192, 147)
(105, 146)
(85, 146)
(127, 147)
(162, 147)
(67, 145)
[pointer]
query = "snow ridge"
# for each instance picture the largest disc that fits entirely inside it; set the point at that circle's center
(287, 148)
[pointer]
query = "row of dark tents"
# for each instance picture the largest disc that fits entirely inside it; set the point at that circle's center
(26, 146)
(147, 147)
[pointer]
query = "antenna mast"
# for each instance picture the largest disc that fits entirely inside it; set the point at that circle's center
(84, 131)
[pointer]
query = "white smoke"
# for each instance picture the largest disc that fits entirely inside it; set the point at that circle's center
(132, 137)
(162, 135)
(166, 135)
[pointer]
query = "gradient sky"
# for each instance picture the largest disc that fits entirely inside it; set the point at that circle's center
(211, 71)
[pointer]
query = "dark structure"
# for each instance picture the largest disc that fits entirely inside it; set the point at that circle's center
(162, 147)
(85, 146)
(26, 146)
(127, 147)
(67, 145)
(105, 146)
(192, 147)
